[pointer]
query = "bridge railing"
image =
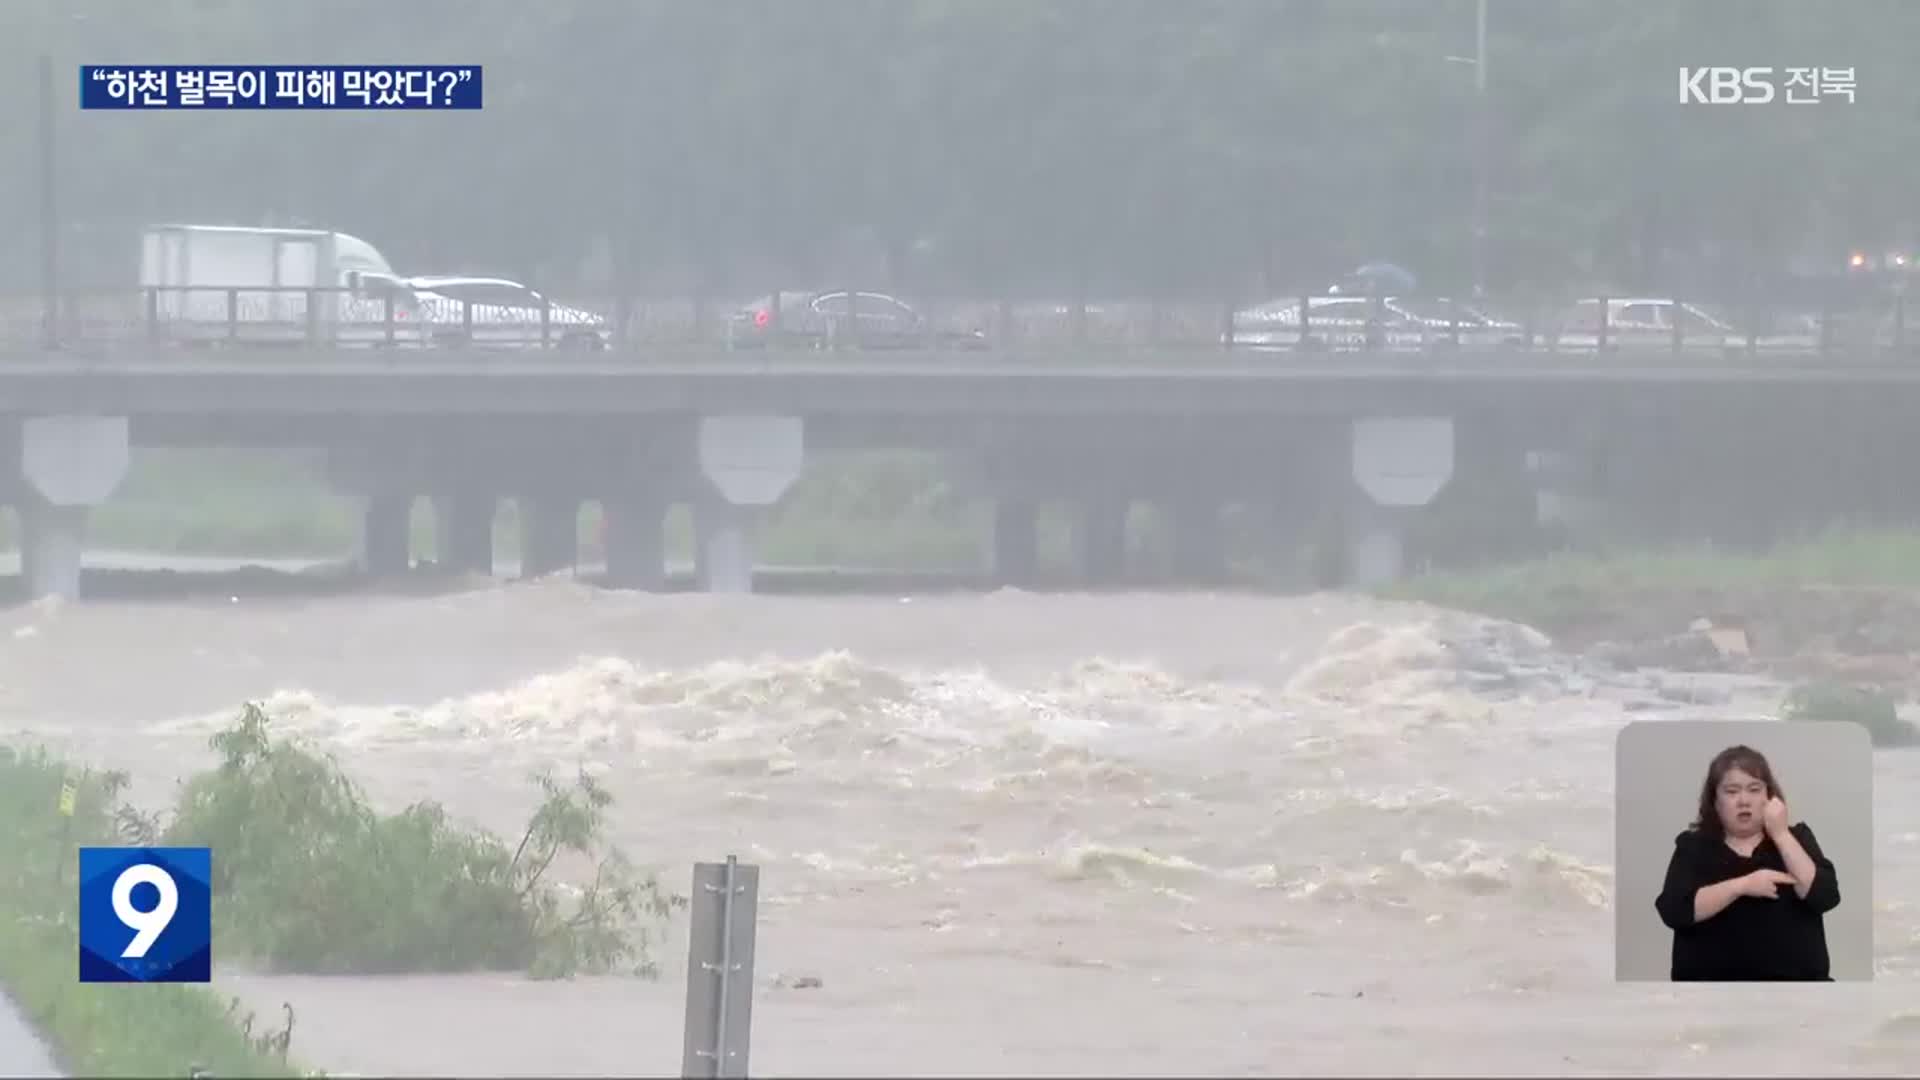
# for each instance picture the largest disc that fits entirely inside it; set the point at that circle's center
(1864, 329)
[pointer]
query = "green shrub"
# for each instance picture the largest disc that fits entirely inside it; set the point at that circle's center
(1869, 707)
(309, 878)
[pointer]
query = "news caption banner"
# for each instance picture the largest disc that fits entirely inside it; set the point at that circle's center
(146, 914)
(202, 86)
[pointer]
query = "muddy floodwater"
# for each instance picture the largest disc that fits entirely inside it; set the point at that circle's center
(1006, 833)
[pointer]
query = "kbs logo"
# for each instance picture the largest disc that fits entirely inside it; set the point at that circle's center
(146, 914)
(1726, 86)
(1759, 85)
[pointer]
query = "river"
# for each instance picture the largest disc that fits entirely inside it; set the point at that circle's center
(1007, 833)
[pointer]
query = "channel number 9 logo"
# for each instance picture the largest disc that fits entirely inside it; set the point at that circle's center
(146, 915)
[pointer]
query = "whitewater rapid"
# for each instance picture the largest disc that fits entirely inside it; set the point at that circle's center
(1007, 833)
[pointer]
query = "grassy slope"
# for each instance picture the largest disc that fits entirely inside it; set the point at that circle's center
(1550, 588)
(96, 1029)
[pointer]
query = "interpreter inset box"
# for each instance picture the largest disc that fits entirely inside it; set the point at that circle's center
(1743, 851)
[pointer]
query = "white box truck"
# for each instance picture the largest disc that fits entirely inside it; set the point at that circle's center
(211, 283)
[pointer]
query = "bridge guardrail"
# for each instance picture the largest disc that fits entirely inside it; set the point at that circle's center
(1873, 330)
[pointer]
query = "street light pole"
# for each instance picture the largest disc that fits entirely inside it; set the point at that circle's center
(1480, 149)
(49, 208)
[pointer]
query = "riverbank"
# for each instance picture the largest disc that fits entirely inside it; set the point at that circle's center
(92, 1029)
(1841, 605)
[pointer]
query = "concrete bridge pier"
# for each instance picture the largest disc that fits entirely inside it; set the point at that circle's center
(636, 541)
(1376, 546)
(749, 462)
(463, 527)
(1399, 465)
(70, 464)
(549, 534)
(1100, 540)
(723, 542)
(1016, 541)
(52, 542)
(386, 540)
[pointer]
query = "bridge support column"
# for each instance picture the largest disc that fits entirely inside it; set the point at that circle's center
(749, 462)
(1016, 541)
(1199, 541)
(1376, 547)
(723, 534)
(1399, 464)
(549, 534)
(1100, 540)
(52, 542)
(636, 541)
(70, 464)
(464, 527)
(386, 543)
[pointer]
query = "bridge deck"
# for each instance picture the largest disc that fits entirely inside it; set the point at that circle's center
(308, 382)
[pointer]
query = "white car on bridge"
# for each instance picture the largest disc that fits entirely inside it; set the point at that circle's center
(1642, 323)
(502, 313)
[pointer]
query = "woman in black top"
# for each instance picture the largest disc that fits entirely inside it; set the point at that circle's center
(1745, 891)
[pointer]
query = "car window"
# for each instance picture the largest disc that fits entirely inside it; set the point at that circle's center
(875, 307)
(377, 288)
(1585, 316)
(1640, 315)
(1693, 320)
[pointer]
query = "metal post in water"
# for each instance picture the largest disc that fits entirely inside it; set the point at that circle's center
(726, 965)
(720, 943)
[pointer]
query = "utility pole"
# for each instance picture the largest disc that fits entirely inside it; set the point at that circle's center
(49, 208)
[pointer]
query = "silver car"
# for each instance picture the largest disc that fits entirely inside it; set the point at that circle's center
(498, 312)
(1351, 323)
(1635, 324)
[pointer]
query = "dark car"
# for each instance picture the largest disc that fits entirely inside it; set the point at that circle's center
(824, 320)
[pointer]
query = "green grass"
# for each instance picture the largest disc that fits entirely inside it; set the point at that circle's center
(1560, 585)
(97, 1029)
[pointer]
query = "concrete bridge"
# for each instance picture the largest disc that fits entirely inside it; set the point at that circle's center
(1372, 438)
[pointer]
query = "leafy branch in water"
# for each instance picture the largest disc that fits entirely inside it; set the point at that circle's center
(310, 878)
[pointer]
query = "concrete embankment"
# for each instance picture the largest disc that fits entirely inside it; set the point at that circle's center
(22, 1051)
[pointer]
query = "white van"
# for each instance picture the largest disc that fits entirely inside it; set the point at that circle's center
(214, 283)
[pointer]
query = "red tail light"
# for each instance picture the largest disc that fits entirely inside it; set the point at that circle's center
(762, 317)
